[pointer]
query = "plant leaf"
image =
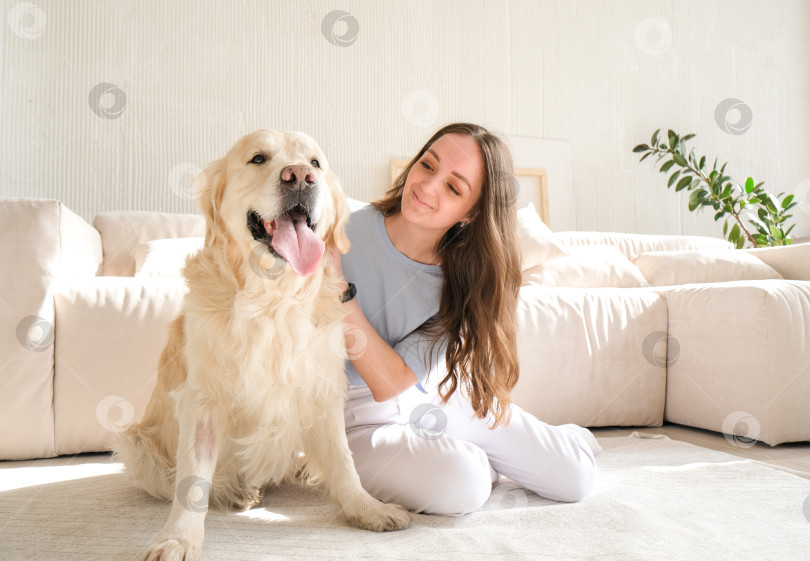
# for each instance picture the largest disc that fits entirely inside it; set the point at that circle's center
(641, 148)
(673, 178)
(683, 183)
(694, 200)
(735, 232)
(749, 185)
(679, 159)
(667, 165)
(787, 201)
(654, 139)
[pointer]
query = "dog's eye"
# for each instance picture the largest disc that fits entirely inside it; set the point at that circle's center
(258, 159)
(315, 163)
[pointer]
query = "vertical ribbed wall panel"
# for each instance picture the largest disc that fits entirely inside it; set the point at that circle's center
(376, 83)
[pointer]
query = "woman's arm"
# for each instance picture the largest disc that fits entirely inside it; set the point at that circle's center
(380, 366)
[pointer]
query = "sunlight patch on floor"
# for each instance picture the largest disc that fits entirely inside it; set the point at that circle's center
(687, 467)
(263, 514)
(20, 477)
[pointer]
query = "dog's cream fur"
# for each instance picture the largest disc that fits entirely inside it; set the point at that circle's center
(252, 375)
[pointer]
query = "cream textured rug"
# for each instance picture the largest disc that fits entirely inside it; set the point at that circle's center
(656, 499)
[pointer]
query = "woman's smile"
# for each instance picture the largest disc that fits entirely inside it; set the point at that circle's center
(419, 201)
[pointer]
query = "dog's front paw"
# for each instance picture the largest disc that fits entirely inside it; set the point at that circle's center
(381, 518)
(172, 550)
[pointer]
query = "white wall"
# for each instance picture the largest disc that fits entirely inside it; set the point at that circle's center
(602, 75)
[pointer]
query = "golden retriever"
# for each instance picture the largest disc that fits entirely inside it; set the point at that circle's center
(251, 384)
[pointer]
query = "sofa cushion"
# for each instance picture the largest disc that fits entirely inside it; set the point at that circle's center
(124, 230)
(790, 261)
(635, 244)
(589, 266)
(668, 268)
(592, 357)
(43, 245)
(110, 334)
(536, 241)
(164, 258)
(740, 362)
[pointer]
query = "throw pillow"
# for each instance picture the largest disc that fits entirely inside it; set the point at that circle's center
(666, 268)
(164, 258)
(589, 266)
(536, 239)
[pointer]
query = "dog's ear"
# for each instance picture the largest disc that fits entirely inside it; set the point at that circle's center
(336, 237)
(210, 185)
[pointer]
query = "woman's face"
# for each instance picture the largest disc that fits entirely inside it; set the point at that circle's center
(444, 184)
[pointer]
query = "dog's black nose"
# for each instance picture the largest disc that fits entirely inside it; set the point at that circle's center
(299, 177)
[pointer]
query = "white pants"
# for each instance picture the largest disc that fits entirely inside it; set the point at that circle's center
(441, 459)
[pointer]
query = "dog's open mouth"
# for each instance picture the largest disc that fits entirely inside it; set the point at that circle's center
(289, 236)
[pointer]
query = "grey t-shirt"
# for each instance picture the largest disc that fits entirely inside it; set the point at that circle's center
(396, 293)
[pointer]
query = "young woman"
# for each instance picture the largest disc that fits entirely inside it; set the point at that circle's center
(431, 338)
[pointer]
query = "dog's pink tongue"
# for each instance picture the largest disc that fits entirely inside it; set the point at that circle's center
(293, 240)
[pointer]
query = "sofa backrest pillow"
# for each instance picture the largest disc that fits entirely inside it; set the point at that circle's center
(536, 240)
(591, 266)
(164, 258)
(123, 230)
(636, 244)
(667, 268)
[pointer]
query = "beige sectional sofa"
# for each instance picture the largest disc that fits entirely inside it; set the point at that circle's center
(615, 329)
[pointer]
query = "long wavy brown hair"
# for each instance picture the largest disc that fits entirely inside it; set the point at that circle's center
(481, 265)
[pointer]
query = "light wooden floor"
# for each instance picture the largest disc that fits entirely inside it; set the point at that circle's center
(794, 456)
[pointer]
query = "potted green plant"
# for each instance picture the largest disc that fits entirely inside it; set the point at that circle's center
(757, 216)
